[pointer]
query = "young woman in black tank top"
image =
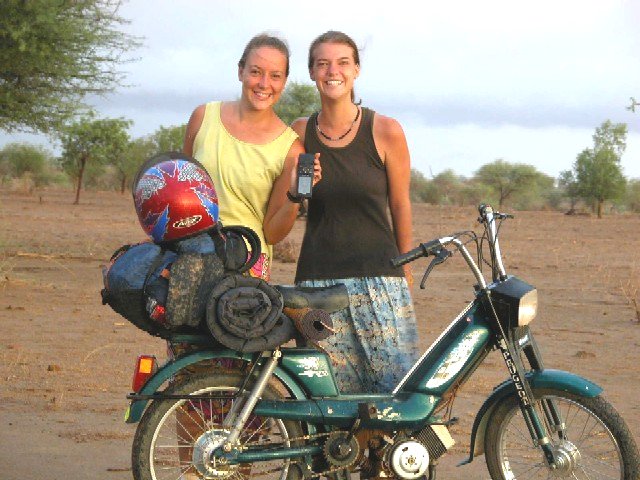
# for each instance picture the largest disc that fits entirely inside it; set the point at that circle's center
(349, 238)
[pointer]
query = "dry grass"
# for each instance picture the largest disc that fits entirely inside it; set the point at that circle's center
(630, 292)
(6, 266)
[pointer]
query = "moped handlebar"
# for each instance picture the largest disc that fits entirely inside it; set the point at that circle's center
(488, 217)
(422, 250)
(487, 214)
(434, 247)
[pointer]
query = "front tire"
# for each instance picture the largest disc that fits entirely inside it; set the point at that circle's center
(596, 443)
(174, 436)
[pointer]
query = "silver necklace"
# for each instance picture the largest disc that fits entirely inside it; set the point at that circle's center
(341, 136)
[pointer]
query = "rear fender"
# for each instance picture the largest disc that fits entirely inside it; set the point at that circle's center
(542, 379)
(136, 408)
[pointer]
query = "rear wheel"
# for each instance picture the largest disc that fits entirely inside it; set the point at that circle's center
(175, 438)
(594, 444)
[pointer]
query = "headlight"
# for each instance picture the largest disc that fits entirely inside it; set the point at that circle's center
(515, 302)
(528, 307)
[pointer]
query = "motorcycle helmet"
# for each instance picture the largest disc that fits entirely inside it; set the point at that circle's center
(174, 197)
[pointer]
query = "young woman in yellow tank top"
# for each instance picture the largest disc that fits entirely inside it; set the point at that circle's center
(251, 156)
(249, 152)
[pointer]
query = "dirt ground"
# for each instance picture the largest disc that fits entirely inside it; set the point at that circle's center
(66, 360)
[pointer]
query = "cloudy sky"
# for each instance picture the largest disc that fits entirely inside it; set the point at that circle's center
(471, 82)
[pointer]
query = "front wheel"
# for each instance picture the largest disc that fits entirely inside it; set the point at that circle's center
(176, 438)
(592, 442)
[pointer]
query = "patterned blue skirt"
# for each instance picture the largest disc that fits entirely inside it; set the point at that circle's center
(376, 339)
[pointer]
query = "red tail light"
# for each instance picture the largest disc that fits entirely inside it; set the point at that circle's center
(146, 366)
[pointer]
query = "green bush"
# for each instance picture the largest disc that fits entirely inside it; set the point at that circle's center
(33, 164)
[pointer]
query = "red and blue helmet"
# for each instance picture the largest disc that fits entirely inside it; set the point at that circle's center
(174, 197)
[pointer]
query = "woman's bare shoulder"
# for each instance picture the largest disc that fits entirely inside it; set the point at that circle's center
(299, 126)
(386, 125)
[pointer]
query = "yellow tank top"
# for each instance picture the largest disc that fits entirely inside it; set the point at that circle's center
(242, 173)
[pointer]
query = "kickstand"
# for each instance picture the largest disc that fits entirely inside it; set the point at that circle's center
(432, 471)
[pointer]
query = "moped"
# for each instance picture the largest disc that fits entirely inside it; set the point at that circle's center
(279, 413)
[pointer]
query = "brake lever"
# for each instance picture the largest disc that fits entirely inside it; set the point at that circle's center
(440, 256)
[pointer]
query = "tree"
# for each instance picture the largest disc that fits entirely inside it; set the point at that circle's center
(169, 139)
(126, 164)
(506, 179)
(52, 54)
(34, 163)
(597, 170)
(297, 100)
(632, 196)
(16, 159)
(567, 182)
(101, 142)
(138, 151)
(420, 188)
(538, 194)
(610, 136)
(474, 192)
(448, 187)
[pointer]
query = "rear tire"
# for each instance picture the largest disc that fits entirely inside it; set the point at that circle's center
(174, 434)
(597, 445)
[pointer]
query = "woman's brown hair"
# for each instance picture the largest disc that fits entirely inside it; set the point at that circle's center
(265, 40)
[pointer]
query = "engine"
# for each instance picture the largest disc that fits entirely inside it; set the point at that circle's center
(407, 457)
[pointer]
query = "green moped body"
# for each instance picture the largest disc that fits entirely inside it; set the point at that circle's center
(169, 369)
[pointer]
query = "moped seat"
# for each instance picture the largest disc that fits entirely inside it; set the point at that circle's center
(330, 299)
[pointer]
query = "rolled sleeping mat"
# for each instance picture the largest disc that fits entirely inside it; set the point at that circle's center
(245, 314)
(330, 299)
(313, 324)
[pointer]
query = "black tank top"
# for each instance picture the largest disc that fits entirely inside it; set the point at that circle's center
(348, 231)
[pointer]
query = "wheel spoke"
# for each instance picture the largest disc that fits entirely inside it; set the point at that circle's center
(525, 439)
(591, 463)
(571, 416)
(185, 434)
(586, 430)
(529, 471)
(585, 449)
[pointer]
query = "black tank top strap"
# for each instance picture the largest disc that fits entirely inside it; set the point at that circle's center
(310, 130)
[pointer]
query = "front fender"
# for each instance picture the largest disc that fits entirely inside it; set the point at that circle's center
(538, 380)
(136, 408)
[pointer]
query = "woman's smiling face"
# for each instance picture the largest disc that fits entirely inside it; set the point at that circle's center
(263, 77)
(334, 69)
